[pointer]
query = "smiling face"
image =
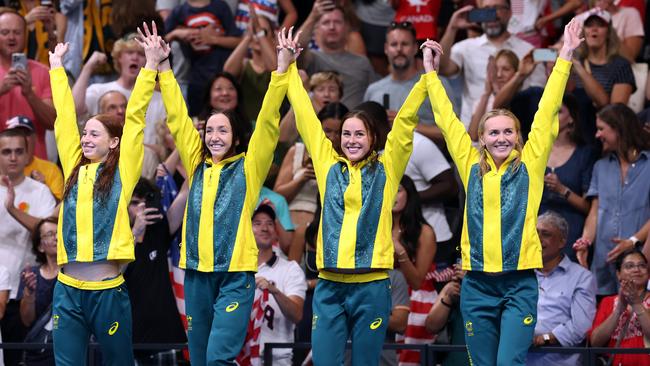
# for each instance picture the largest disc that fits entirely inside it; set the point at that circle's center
(499, 136)
(223, 95)
(332, 129)
(263, 230)
(355, 139)
(96, 142)
(634, 268)
(219, 136)
(607, 135)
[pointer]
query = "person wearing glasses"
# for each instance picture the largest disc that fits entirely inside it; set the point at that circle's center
(469, 57)
(623, 320)
(504, 180)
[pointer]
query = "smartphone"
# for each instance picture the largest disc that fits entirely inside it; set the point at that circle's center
(482, 15)
(386, 101)
(544, 54)
(152, 200)
(46, 2)
(328, 5)
(19, 61)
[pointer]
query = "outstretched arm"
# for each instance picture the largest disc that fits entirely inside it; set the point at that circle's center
(545, 124)
(65, 125)
(458, 140)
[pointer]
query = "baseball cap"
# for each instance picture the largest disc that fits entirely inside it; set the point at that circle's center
(20, 121)
(596, 12)
(264, 208)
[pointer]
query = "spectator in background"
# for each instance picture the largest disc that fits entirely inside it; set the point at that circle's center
(23, 92)
(628, 25)
(527, 21)
(207, 32)
(567, 296)
(501, 69)
(155, 316)
(333, 27)
(128, 58)
(20, 195)
(469, 57)
(424, 17)
(445, 316)
(400, 308)
(285, 282)
(46, 27)
(376, 16)
(267, 9)
(253, 60)
(225, 94)
(619, 188)
(5, 288)
(296, 179)
(38, 169)
(37, 287)
(603, 76)
(623, 319)
(568, 173)
(88, 31)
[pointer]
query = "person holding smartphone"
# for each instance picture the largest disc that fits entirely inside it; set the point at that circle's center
(504, 180)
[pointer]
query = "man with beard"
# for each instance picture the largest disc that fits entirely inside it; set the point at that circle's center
(428, 168)
(470, 57)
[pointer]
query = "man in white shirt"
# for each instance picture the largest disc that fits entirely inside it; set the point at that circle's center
(29, 197)
(470, 56)
(285, 282)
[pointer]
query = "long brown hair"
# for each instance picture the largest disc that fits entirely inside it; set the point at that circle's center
(483, 163)
(371, 126)
(36, 238)
(104, 182)
(632, 138)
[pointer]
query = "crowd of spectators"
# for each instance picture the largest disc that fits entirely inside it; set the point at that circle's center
(594, 222)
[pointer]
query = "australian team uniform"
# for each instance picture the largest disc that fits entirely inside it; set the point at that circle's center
(218, 249)
(355, 244)
(94, 229)
(499, 244)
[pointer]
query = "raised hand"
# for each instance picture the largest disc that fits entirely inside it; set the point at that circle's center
(156, 50)
(10, 196)
(431, 52)
(572, 38)
(56, 57)
(288, 49)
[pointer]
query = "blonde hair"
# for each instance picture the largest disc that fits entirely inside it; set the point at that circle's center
(324, 76)
(126, 43)
(483, 163)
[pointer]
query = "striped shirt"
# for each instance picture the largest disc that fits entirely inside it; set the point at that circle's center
(93, 229)
(217, 232)
(499, 230)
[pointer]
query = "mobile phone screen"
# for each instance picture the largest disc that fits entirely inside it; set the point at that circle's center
(544, 55)
(482, 15)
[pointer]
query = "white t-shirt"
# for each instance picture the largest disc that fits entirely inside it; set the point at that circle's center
(627, 23)
(524, 15)
(472, 54)
(34, 198)
(426, 163)
(4, 286)
(155, 112)
(290, 280)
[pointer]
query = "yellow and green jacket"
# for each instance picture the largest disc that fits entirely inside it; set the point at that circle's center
(355, 234)
(217, 232)
(90, 229)
(499, 229)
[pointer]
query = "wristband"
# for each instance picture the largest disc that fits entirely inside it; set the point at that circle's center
(442, 301)
(164, 59)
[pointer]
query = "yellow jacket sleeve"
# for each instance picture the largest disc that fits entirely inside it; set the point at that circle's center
(187, 138)
(458, 141)
(132, 144)
(319, 146)
(66, 130)
(265, 136)
(399, 143)
(545, 124)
